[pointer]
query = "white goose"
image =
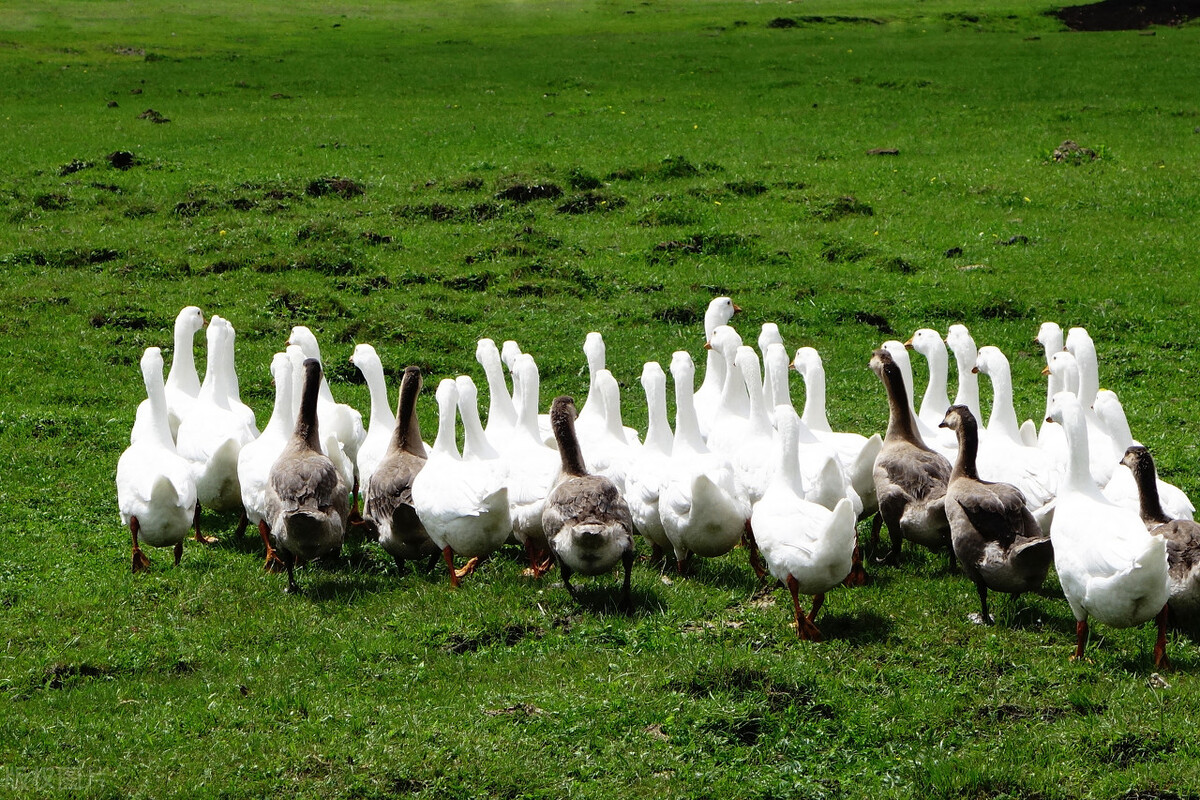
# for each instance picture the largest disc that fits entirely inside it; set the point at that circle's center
(1003, 455)
(935, 401)
(463, 508)
(855, 452)
(767, 336)
(702, 510)
(1108, 565)
(256, 458)
(382, 421)
(231, 385)
(820, 465)
(720, 310)
(805, 545)
(1122, 488)
(648, 469)
(213, 433)
(156, 493)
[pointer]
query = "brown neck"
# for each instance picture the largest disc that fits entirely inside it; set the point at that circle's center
(901, 424)
(407, 435)
(562, 421)
(306, 422)
(968, 448)
(1147, 481)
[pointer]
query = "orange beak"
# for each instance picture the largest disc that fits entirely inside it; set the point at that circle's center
(908, 345)
(1046, 370)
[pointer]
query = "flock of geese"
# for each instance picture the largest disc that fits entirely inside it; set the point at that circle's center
(575, 486)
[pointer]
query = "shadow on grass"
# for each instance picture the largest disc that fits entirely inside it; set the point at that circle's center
(858, 627)
(602, 597)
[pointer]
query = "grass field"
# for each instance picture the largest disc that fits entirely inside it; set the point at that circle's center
(417, 175)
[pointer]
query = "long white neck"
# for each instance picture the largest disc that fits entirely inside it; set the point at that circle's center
(687, 429)
(182, 376)
(814, 396)
(156, 393)
(787, 468)
(527, 387)
(1003, 420)
(476, 446)
(446, 443)
(372, 370)
(1079, 473)
(747, 361)
(610, 394)
(296, 358)
(658, 430)
(1084, 350)
(282, 420)
(593, 349)
(775, 366)
(501, 410)
(968, 382)
(935, 391)
(232, 389)
(734, 399)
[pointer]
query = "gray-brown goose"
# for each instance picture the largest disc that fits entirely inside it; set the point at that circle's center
(1182, 535)
(910, 478)
(389, 505)
(587, 522)
(306, 494)
(995, 537)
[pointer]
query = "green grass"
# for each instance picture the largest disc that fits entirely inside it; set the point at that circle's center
(698, 152)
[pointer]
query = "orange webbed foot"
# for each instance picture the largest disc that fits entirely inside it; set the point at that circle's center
(140, 562)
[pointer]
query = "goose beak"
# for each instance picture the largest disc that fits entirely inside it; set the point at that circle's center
(736, 308)
(1046, 370)
(974, 370)
(708, 345)
(792, 365)
(943, 424)
(908, 345)
(1049, 420)
(203, 321)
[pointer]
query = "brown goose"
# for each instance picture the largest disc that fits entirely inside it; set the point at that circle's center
(389, 505)
(910, 478)
(1182, 535)
(306, 496)
(995, 537)
(587, 522)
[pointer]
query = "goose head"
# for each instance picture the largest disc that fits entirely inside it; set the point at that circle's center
(1050, 336)
(927, 342)
(769, 335)
(959, 339)
(683, 369)
(189, 320)
(509, 352)
(806, 360)
(364, 357)
(992, 362)
(725, 340)
(303, 338)
(720, 311)
(1139, 461)
(959, 418)
(1064, 369)
(486, 353)
(593, 349)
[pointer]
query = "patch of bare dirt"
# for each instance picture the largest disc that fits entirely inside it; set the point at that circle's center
(1124, 15)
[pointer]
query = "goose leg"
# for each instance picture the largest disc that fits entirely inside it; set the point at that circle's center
(1160, 644)
(805, 629)
(289, 561)
(818, 601)
(858, 574)
(984, 616)
(566, 576)
(178, 551)
(140, 562)
(400, 564)
(1081, 635)
(433, 559)
(752, 548)
(201, 538)
(448, 555)
(626, 596)
(243, 522)
(469, 567)
(657, 554)
(876, 525)
(354, 517)
(272, 562)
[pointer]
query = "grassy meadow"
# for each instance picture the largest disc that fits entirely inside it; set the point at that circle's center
(418, 175)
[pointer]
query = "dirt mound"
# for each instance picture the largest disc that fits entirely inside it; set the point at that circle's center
(1127, 15)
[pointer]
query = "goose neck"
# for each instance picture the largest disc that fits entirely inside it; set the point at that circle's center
(687, 426)
(407, 433)
(901, 419)
(183, 375)
(814, 400)
(307, 428)
(562, 422)
(1003, 419)
(968, 450)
